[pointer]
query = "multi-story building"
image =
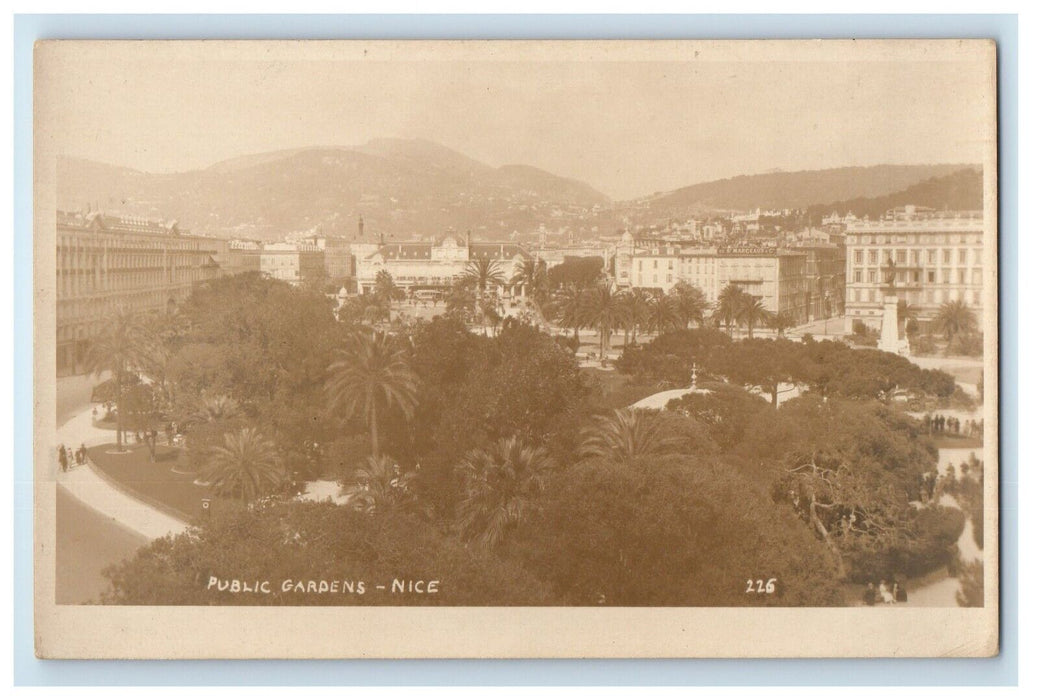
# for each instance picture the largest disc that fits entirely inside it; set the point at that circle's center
(777, 277)
(107, 263)
(435, 265)
(339, 260)
(824, 276)
(919, 255)
(293, 262)
(237, 256)
(557, 255)
(662, 266)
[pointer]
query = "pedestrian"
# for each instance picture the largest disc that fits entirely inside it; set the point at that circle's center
(869, 596)
(83, 453)
(63, 459)
(900, 593)
(93, 414)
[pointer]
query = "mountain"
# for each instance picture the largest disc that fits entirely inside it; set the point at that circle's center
(788, 190)
(961, 190)
(401, 187)
(407, 187)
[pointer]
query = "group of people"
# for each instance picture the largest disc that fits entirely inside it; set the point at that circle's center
(885, 593)
(939, 424)
(68, 458)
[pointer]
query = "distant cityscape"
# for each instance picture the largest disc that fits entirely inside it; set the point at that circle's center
(837, 270)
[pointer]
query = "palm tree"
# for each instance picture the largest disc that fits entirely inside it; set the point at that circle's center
(568, 308)
(751, 313)
(729, 303)
(370, 379)
(490, 316)
(158, 335)
(953, 318)
(379, 485)
(780, 322)
(663, 315)
(216, 408)
(603, 311)
(628, 311)
(690, 302)
(625, 435)
(386, 290)
(460, 298)
(502, 484)
(246, 466)
(481, 273)
(635, 309)
(533, 276)
(116, 350)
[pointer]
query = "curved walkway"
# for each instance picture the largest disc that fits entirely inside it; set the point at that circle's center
(88, 487)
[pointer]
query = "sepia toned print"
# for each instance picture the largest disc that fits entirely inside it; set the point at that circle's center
(498, 349)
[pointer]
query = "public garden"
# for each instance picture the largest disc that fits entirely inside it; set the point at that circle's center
(499, 453)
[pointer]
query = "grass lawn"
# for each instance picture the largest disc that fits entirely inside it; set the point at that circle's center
(955, 441)
(153, 482)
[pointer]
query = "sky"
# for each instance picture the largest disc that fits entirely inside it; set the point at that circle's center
(627, 127)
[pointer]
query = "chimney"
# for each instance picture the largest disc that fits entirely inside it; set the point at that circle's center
(360, 227)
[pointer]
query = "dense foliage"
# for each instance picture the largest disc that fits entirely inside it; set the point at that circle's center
(826, 367)
(317, 542)
(493, 464)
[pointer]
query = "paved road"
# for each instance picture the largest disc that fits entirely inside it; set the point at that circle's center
(97, 524)
(90, 489)
(87, 542)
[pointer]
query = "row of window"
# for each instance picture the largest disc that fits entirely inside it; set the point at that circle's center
(973, 238)
(945, 276)
(74, 284)
(929, 296)
(69, 261)
(78, 318)
(914, 257)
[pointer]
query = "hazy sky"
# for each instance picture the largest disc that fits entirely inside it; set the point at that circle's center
(628, 128)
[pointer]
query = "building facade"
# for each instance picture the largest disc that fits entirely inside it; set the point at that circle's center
(294, 263)
(778, 277)
(436, 265)
(824, 278)
(238, 256)
(775, 276)
(921, 256)
(338, 257)
(106, 264)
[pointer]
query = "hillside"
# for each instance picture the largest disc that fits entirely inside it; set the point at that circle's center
(407, 187)
(399, 186)
(789, 190)
(960, 190)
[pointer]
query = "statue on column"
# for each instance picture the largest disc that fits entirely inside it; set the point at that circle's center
(889, 276)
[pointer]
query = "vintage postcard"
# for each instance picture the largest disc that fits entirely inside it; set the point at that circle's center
(515, 349)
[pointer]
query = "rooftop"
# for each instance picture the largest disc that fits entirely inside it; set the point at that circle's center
(99, 221)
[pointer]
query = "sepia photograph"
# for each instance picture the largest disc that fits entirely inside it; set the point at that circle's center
(527, 348)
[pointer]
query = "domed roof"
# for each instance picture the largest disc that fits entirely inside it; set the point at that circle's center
(627, 237)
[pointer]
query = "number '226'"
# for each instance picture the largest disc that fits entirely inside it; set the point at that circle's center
(761, 586)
